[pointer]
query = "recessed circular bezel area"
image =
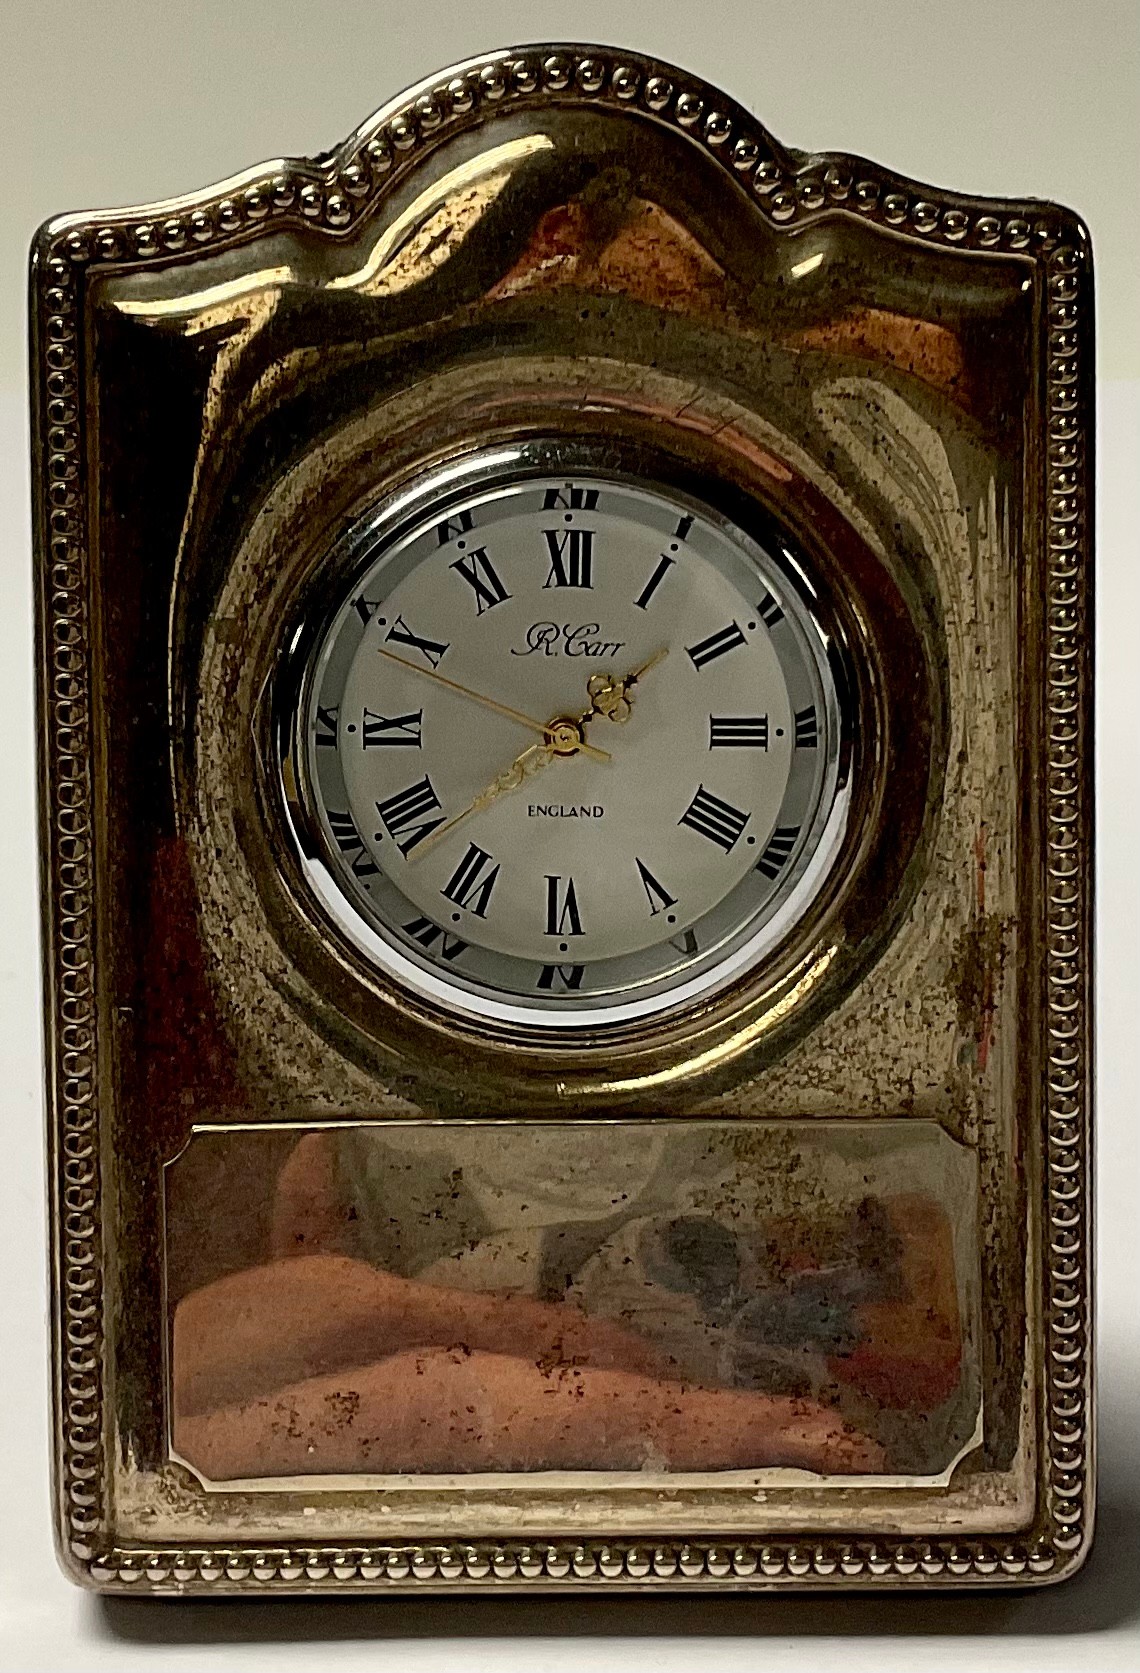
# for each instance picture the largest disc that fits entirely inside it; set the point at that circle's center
(372, 892)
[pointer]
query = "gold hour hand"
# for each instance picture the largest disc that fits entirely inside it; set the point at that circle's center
(614, 698)
(524, 766)
(489, 703)
(650, 662)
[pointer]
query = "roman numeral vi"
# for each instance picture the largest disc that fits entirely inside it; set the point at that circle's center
(562, 915)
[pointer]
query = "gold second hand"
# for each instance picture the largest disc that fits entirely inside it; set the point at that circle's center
(488, 702)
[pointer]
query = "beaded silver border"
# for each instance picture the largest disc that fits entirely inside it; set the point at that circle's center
(337, 193)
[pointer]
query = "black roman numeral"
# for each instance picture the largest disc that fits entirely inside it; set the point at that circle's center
(427, 934)
(770, 612)
(780, 845)
(655, 893)
(562, 915)
(654, 581)
(738, 731)
(717, 644)
(404, 814)
(483, 578)
(471, 882)
(399, 729)
(807, 729)
(719, 821)
(326, 727)
(569, 975)
(402, 634)
(365, 608)
(570, 498)
(453, 526)
(351, 844)
(571, 557)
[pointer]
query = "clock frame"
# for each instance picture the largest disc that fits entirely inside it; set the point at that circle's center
(569, 240)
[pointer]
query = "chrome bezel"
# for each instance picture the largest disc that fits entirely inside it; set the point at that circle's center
(379, 535)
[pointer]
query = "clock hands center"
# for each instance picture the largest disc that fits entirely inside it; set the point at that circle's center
(565, 745)
(562, 737)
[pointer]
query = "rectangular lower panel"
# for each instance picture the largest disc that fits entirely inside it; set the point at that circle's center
(444, 1309)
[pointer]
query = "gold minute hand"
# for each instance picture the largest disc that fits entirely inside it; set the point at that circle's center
(524, 766)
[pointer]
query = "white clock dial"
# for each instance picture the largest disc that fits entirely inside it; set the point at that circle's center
(570, 746)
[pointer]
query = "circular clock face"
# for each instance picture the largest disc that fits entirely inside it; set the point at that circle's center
(567, 746)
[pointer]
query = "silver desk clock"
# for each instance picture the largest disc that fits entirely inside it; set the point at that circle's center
(564, 656)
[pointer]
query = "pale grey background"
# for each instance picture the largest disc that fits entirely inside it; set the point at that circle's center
(112, 102)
